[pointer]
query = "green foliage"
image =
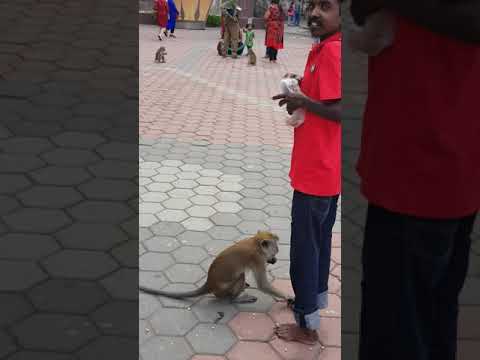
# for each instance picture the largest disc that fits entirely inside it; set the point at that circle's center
(213, 21)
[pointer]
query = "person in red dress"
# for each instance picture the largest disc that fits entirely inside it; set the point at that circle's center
(161, 9)
(274, 18)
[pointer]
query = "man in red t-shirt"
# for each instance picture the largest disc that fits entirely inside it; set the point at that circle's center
(315, 171)
(419, 169)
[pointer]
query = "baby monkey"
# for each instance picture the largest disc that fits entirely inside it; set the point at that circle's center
(160, 54)
(252, 58)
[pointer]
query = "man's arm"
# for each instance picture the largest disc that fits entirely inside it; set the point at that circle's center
(330, 110)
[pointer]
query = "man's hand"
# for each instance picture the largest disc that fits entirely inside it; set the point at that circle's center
(293, 101)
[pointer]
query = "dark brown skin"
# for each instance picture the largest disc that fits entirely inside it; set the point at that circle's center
(457, 19)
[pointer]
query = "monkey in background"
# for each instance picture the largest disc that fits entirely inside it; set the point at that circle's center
(252, 58)
(160, 54)
(226, 275)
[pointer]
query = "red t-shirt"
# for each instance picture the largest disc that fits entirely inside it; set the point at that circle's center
(316, 155)
(420, 152)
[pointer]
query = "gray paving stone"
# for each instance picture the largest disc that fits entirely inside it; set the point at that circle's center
(262, 305)
(65, 332)
(147, 173)
(174, 322)
(16, 276)
(178, 303)
(12, 183)
(251, 227)
(230, 186)
(159, 187)
(227, 207)
(253, 184)
(155, 261)
(147, 220)
(224, 232)
(147, 305)
(145, 332)
(211, 339)
(194, 238)
(144, 181)
(144, 234)
(278, 211)
(278, 223)
(188, 175)
(149, 207)
(278, 200)
(115, 284)
(210, 173)
(117, 318)
(203, 200)
(77, 139)
(276, 181)
(181, 193)
(253, 203)
(253, 167)
(126, 253)
(79, 264)
(165, 178)
(14, 307)
(168, 170)
(214, 247)
(274, 173)
(208, 181)
(8, 344)
(283, 252)
(109, 189)
(26, 246)
(161, 244)
(154, 280)
(110, 347)
(101, 212)
(228, 196)
(212, 165)
(113, 169)
(253, 193)
(70, 157)
(172, 348)
(189, 255)
(49, 197)
(153, 197)
(185, 184)
(191, 167)
(226, 219)
(68, 296)
(178, 204)
(197, 224)
(18, 163)
(206, 190)
(207, 310)
(172, 215)
(281, 270)
(201, 211)
(275, 190)
(55, 175)
(167, 229)
(252, 215)
(184, 273)
(34, 220)
(172, 163)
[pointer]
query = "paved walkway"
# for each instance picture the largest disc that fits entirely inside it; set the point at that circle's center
(208, 177)
(353, 220)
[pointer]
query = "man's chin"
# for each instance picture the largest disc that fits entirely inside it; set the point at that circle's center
(316, 32)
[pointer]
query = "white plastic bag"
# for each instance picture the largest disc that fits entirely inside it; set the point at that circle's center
(291, 86)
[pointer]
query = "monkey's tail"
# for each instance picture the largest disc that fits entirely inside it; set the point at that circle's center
(177, 295)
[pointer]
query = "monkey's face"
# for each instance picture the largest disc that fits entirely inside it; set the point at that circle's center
(269, 245)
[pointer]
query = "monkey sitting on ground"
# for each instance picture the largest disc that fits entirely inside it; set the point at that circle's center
(160, 54)
(220, 48)
(226, 275)
(252, 58)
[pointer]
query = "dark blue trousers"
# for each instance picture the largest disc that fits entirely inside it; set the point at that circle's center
(313, 218)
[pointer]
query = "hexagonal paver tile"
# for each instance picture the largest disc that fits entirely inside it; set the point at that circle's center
(331, 353)
(151, 279)
(167, 229)
(187, 175)
(210, 173)
(161, 244)
(206, 190)
(190, 255)
(171, 348)
(65, 332)
(253, 193)
(147, 220)
(91, 236)
(252, 203)
(224, 232)
(197, 224)
(56, 175)
(122, 284)
(228, 196)
(230, 186)
(152, 261)
(14, 307)
(101, 212)
(334, 308)
(165, 178)
(177, 204)
(110, 347)
(214, 247)
(330, 331)
(35, 355)
(169, 170)
(174, 163)
(12, 183)
(252, 326)
(79, 264)
(201, 211)
(227, 207)
(295, 351)
(117, 318)
(251, 227)
(278, 223)
(149, 207)
(190, 167)
(26, 246)
(252, 215)
(278, 211)
(49, 196)
(172, 215)
(194, 238)
(263, 304)
(36, 220)
(153, 196)
(227, 219)
(211, 339)
(19, 275)
(173, 321)
(281, 314)
(181, 193)
(68, 296)
(203, 200)
(160, 187)
(178, 303)
(185, 273)
(252, 350)
(185, 184)
(208, 180)
(78, 139)
(147, 305)
(8, 344)
(212, 310)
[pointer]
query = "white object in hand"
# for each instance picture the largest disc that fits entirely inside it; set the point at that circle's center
(291, 86)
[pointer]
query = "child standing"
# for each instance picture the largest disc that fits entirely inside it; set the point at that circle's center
(161, 9)
(249, 37)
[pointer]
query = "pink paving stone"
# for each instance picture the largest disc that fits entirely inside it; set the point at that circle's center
(284, 285)
(334, 308)
(281, 314)
(295, 351)
(333, 285)
(330, 353)
(207, 357)
(250, 350)
(337, 255)
(336, 240)
(252, 326)
(330, 331)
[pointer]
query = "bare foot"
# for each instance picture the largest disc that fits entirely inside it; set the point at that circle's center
(291, 332)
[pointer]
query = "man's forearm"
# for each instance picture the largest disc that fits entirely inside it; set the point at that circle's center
(329, 111)
(457, 19)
